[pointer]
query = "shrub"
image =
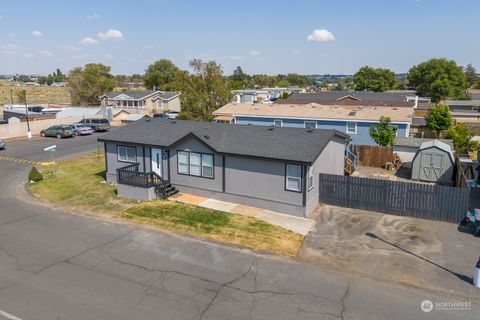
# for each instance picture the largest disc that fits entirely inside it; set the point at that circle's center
(35, 175)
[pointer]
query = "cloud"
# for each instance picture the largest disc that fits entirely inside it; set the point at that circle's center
(45, 53)
(148, 46)
(88, 40)
(28, 55)
(232, 58)
(37, 34)
(111, 34)
(296, 52)
(12, 34)
(94, 16)
(80, 56)
(69, 47)
(320, 35)
(8, 49)
(254, 53)
(109, 56)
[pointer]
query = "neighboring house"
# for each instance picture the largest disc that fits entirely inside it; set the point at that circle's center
(352, 120)
(364, 98)
(250, 96)
(434, 162)
(145, 100)
(266, 167)
(407, 148)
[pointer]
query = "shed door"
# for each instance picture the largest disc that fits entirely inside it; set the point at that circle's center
(431, 166)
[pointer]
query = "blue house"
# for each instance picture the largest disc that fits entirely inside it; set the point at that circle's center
(352, 120)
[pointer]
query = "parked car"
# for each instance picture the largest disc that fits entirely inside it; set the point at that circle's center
(172, 114)
(59, 131)
(97, 124)
(80, 129)
(161, 116)
(3, 144)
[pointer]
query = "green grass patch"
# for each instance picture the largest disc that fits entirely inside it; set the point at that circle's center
(80, 184)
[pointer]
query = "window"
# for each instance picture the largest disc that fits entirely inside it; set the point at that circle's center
(352, 127)
(207, 165)
(195, 164)
(310, 178)
(277, 123)
(183, 162)
(127, 154)
(310, 124)
(396, 132)
(293, 178)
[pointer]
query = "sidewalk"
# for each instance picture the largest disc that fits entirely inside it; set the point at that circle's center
(296, 224)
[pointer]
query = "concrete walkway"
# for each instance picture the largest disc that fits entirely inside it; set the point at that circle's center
(295, 224)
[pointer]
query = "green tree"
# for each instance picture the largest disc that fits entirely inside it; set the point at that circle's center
(462, 136)
(239, 79)
(88, 83)
(34, 175)
(161, 75)
(21, 96)
(439, 119)
(283, 83)
(203, 91)
(383, 133)
(472, 75)
(376, 80)
(438, 79)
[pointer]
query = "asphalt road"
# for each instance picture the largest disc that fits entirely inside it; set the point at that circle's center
(60, 265)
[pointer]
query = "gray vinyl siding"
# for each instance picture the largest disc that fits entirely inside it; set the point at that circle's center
(260, 179)
(112, 161)
(330, 161)
(209, 184)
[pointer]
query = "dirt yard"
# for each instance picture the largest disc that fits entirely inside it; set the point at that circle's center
(40, 95)
(421, 253)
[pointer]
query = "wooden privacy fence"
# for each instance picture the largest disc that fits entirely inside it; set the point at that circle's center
(372, 156)
(394, 197)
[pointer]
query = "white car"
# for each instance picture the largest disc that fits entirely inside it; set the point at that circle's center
(267, 101)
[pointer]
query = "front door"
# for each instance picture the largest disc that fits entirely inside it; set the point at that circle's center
(157, 161)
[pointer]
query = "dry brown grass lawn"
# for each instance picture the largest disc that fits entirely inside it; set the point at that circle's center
(40, 95)
(80, 184)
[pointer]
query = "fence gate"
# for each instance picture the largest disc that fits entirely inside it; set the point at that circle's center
(395, 197)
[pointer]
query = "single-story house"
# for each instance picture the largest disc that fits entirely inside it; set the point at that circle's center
(434, 162)
(354, 121)
(150, 101)
(267, 167)
(407, 148)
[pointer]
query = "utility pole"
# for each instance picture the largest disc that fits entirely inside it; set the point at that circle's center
(29, 134)
(11, 97)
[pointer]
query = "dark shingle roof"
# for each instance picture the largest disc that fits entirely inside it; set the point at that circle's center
(134, 94)
(366, 96)
(168, 95)
(417, 142)
(290, 144)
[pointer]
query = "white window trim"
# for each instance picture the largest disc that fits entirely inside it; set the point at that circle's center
(281, 122)
(305, 123)
(310, 178)
(347, 131)
(287, 177)
(126, 154)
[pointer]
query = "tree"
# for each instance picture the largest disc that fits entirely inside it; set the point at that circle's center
(472, 75)
(88, 83)
(376, 80)
(203, 91)
(161, 75)
(21, 96)
(283, 83)
(439, 119)
(438, 79)
(239, 79)
(462, 138)
(34, 175)
(383, 133)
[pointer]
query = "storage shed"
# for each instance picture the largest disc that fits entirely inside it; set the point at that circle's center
(434, 162)
(407, 148)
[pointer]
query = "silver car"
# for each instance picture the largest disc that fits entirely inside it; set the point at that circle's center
(3, 144)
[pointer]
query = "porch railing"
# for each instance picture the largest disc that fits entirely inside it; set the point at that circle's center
(131, 176)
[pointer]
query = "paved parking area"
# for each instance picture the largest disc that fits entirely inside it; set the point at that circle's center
(295, 224)
(422, 253)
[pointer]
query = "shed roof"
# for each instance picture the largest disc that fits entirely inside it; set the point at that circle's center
(439, 145)
(316, 111)
(78, 112)
(417, 142)
(288, 144)
(360, 95)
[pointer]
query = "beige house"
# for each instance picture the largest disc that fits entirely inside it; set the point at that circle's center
(143, 101)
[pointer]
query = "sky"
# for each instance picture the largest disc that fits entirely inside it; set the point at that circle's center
(261, 36)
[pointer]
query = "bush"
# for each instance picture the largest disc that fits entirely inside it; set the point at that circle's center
(35, 175)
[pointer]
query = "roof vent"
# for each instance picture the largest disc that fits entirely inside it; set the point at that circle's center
(309, 130)
(206, 136)
(352, 113)
(270, 129)
(173, 122)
